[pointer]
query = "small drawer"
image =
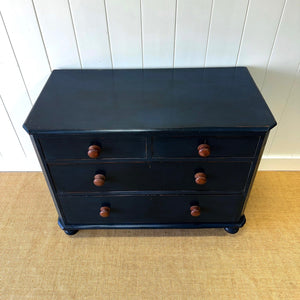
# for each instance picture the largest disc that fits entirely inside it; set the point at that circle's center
(67, 147)
(220, 176)
(219, 146)
(151, 209)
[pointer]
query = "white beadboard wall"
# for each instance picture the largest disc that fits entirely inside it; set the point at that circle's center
(37, 36)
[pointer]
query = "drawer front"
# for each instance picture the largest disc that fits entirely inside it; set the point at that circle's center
(221, 176)
(151, 209)
(66, 147)
(220, 146)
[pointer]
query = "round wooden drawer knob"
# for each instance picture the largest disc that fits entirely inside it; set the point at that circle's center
(200, 178)
(195, 210)
(204, 150)
(104, 211)
(94, 151)
(99, 179)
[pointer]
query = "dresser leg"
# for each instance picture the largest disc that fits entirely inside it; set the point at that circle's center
(62, 226)
(70, 232)
(232, 230)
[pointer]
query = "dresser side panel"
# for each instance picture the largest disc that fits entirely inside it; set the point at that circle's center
(254, 168)
(46, 173)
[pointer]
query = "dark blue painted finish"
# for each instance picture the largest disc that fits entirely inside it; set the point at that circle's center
(149, 124)
(153, 99)
(173, 176)
(220, 146)
(152, 209)
(240, 223)
(67, 147)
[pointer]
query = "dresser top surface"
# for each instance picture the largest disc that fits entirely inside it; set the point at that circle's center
(149, 100)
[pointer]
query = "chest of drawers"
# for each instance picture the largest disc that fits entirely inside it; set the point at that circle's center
(155, 148)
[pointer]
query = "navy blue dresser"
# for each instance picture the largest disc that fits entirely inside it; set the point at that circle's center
(152, 148)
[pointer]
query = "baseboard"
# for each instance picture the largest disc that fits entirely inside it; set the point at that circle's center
(268, 163)
(279, 163)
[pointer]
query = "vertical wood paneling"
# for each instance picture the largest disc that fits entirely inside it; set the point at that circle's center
(284, 59)
(283, 63)
(12, 89)
(56, 25)
(158, 24)
(124, 23)
(288, 133)
(193, 18)
(10, 145)
(225, 32)
(259, 34)
(37, 35)
(21, 23)
(90, 26)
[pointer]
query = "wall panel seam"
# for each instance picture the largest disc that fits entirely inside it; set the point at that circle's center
(108, 34)
(142, 37)
(268, 150)
(208, 31)
(40, 31)
(14, 129)
(243, 31)
(273, 44)
(74, 31)
(175, 32)
(16, 59)
(284, 108)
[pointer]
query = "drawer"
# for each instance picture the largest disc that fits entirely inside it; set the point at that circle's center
(151, 209)
(220, 146)
(221, 176)
(67, 147)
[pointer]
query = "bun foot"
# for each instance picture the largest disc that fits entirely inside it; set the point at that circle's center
(70, 232)
(232, 230)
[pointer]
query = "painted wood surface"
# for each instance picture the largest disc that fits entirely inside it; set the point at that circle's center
(37, 36)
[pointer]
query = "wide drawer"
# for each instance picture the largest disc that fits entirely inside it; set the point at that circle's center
(221, 176)
(220, 146)
(151, 209)
(68, 147)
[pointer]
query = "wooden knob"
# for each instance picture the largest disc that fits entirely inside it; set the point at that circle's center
(94, 151)
(195, 210)
(104, 211)
(204, 150)
(99, 179)
(200, 178)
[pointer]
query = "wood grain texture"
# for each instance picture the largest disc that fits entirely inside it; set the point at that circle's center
(38, 261)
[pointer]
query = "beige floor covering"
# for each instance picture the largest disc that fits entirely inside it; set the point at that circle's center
(38, 261)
